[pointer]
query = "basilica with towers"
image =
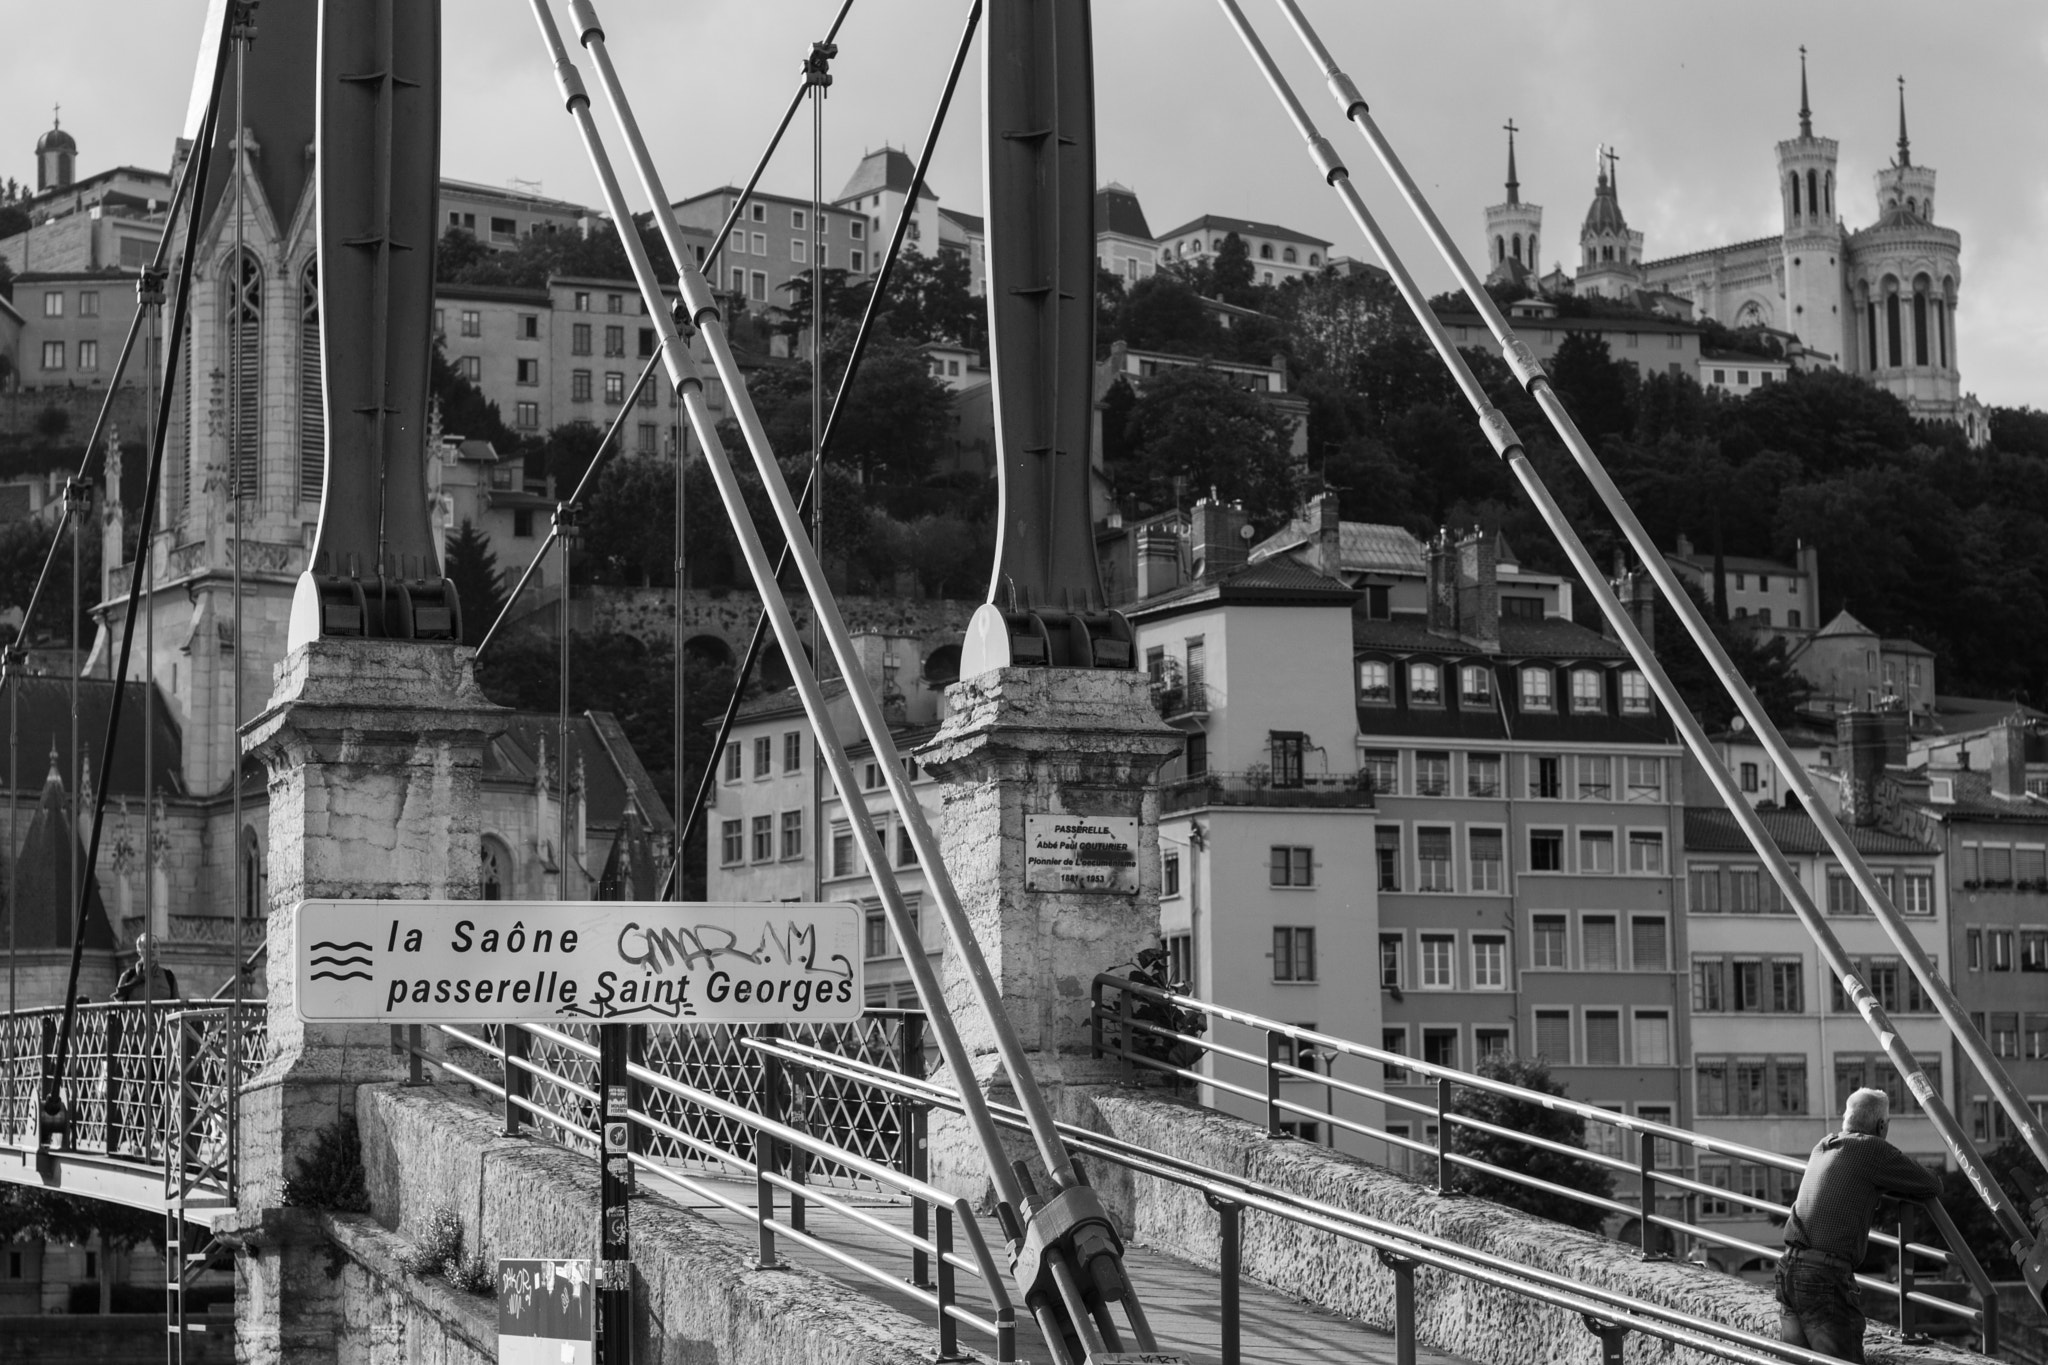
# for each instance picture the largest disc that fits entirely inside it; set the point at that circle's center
(1876, 301)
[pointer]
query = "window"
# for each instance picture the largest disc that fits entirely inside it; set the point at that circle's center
(1387, 848)
(1294, 954)
(871, 777)
(1536, 689)
(88, 303)
(1394, 1040)
(1596, 778)
(1490, 1044)
(1374, 682)
(1645, 851)
(1707, 979)
(1440, 1046)
(1554, 1036)
(764, 838)
(1711, 1095)
(614, 341)
(1749, 777)
(1546, 850)
(2000, 943)
(906, 851)
(2034, 950)
(579, 386)
(1599, 944)
(1703, 890)
(1603, 1038)
(529, 326)
(856, 259)
(1587, 694)
(1425, 685)
(1488, 859)
(88, 355)
(757, 281)
(1180, 957)
(646, 342)
(1545, 783)
(470, 367)
(1197, 752)
(1489, 963)
(579, 338)
(1788, 986)
(1546, 941)
(1645, 778)
(526, 416)
(1291, 866)
(758, 212)
(614, 387)
(842, 851)
(1432, 774)
(1973, 943)
(528, 372)
(1390, 964)
(732, 761)
(53, 355)
(1746, 892)
(878, 937)
(582, 305)
(798, 250)
(1652, 1038)
(1197, 662)
(857, 229)
(1169, 875)
(1596, 850)
(792, 751)
(1482, 775)
(764, 755)
(1649, 943)
(614, 303)
(522, 523)
(1475, 685)
(1383, 770)
(1439, 971)
(53, 304)
(1285, 749)
(792, 834)
(1433, 859)
(472, 323)
(732, 842)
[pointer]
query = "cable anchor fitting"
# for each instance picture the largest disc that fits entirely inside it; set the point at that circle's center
(818, 66)
(149, 287)
(568, 518)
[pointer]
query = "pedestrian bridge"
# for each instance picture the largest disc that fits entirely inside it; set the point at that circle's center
(813, 1143)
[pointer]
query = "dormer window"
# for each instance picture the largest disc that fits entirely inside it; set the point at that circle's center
(1587, 694)
(1635, 693)
(1475, 685)
(1536, 689)
(1375, 682)
(1425, 685)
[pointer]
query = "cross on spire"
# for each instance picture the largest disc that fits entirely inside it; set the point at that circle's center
(1514, 185)
(1805, 114)
(1614, 172)
(56, 119)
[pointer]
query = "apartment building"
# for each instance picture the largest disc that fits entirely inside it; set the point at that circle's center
(1279, 254)
(771, 244)
(1527, 842)
(1268, 902)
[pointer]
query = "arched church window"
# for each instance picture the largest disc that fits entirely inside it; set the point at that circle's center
(1606, 253)
(1891, 328)
(1532, 250)
(1813, 193)
(1830, 183)
(1941, 329)
(312, 414)
(1919, 324)
(252, 876)
(1518, 246)
(496, 865)
(1795, 194)
(1500, 250)
(1871, 309)
(242, 344)
(1912, 205)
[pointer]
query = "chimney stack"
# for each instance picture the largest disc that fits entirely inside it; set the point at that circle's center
(1158, 559)
(1326, 546)
(1443, 587)
(1478, 570)
(2009, 758)
(1220, 542)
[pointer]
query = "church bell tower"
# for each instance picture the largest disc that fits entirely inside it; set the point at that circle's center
(1512, 229)
(1813, 266)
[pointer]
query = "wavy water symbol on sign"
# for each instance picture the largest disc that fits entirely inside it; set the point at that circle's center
(333, 957)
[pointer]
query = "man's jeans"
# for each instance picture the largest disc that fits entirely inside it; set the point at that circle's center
(1820, 1307)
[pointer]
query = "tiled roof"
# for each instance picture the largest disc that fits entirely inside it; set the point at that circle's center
(1117, 210)
(1209, 222)
(1278, 581)
(889, 169)
(595, 738)
(1519, 638)
(1844, 624)
(1709, 829)
(1736, 564)
(1362, 547)
(45, 703)
(970, 223)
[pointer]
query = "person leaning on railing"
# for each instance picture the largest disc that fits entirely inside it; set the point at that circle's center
(1848, 1177)
(147, 980)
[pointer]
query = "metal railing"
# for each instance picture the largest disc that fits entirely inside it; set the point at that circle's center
(1294, 1053)
(706, 1102)
(146, 1084)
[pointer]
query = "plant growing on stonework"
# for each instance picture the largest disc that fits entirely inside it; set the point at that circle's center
(439, 1248)
(331, 1175)
(471, 1274)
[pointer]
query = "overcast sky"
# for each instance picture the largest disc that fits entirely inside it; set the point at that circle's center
(1693, 97)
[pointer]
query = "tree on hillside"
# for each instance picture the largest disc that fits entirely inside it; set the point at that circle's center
(629, 526)
(464, 409)
(1193, 429)
(1333, 318)
(568, 452)
(2018, 431)
(1164, 313)
(930, 298)
(479, 584)
(1534, 1119)
(527, 264)
(1231, 274)
(1594, 386)
(896, 418)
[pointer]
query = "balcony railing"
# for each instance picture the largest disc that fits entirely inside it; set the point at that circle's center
(1259, 787)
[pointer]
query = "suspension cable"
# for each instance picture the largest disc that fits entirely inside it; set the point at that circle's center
(878, 288)
(1523, 362)
(1510, 449)
(52, 1101)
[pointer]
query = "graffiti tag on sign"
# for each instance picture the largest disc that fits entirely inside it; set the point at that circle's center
(1081, 853)
(417, 962)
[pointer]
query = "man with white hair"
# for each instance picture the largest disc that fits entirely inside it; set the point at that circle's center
(1848, 1176)
(148, 980)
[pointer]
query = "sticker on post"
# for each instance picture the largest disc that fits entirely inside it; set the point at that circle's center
(425, 962)
(1097, 853)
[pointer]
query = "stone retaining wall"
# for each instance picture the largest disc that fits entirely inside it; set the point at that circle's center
(702, 1301)
(1454, 1314)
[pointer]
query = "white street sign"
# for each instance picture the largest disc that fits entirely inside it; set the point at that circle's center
(419, 962)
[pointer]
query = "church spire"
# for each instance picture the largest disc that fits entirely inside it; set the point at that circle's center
(1514, 185)
(1905, 147)
(1805, 113)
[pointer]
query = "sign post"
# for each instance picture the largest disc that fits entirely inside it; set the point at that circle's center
(615, 964)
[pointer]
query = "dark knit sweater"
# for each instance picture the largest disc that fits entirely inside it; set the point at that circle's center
(1847, 1176)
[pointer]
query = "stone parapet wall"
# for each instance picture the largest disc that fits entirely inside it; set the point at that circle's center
(699, 1295)
(1454, 1314)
